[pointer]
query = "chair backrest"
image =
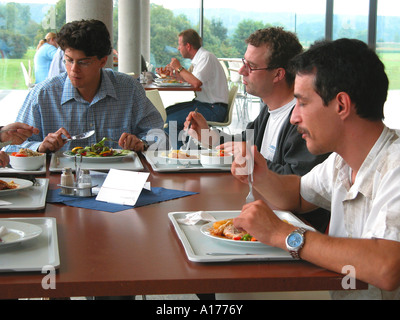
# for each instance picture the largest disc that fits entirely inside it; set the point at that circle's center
(155, 98)
(27, 75)
(231, 102)
(225, 70)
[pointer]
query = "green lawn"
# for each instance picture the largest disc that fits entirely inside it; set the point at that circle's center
(392, 64)
(11, 76)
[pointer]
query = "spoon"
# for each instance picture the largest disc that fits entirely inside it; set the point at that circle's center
(82, 136)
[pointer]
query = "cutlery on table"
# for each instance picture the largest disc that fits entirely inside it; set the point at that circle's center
(82, 136)
(250, 168)
(190, 137)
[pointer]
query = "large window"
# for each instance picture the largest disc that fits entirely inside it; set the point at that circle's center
(22, 25)
(226, 24)
(351, 19)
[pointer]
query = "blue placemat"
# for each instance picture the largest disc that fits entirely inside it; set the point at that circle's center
(146, 197)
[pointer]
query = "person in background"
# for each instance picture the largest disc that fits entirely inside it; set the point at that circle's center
(88, 97)
(341, 88)
(45, 51)
(207, 74)
(265, 74)
(57, 65)
(16, 133)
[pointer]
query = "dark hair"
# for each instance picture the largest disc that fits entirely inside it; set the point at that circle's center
(283, 46)
(192, 37)
(89, 36)
(347, 65)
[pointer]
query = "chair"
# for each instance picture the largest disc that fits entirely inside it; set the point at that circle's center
(27, 75)
(228, 77)
(231, 102)
(155, 98)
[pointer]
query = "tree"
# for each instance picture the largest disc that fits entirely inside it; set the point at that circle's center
(242, 32)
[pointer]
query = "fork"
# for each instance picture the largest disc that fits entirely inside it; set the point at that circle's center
(190, 137)
(250, 161)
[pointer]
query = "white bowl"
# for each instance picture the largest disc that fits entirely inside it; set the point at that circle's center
(214, 159)
(27, 163)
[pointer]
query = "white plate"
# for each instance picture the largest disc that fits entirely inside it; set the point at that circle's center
(165, 83)
(99, 159)
(32, 255)
(18, 232)
(21, 183)
(164, 155)
(283, 215)
(205, 229)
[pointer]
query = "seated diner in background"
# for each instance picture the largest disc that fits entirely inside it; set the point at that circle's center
(207, 73)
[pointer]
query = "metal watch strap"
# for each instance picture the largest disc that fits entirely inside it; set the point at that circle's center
(296, 253)
(180, 69)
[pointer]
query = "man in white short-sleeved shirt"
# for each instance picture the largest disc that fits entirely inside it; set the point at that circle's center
(341, 87)
(207, 74)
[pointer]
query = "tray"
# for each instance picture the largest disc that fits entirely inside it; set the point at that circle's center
(160, 164)
(34, 254)
(32, 198)
(201, 248)
(59, 161)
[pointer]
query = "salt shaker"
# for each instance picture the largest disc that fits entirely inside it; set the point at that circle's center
(85, 182)
(67, 179)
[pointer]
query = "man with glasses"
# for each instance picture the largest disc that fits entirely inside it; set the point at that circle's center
(266, 75)
(88, 97)
(207, 74)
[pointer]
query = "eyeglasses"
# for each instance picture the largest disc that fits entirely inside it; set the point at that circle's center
(250, 69)
(79, 63)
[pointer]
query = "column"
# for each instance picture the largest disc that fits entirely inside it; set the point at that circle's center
(145, 20)
(129, 36)
(92, 9)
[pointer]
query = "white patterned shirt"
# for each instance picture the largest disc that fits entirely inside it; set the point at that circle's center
(369, 208)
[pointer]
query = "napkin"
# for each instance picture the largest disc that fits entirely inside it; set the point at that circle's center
(3, 231)
(195, 217)
(4, 203)
(146, 197)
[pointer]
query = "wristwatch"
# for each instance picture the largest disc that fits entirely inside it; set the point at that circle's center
(180, 69)
(295, 241)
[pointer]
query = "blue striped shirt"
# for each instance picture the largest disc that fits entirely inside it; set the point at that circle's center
(119, 106)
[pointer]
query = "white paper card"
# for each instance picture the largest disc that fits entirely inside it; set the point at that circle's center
(122, 187)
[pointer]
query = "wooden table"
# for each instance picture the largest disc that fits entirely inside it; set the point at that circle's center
(137, 252)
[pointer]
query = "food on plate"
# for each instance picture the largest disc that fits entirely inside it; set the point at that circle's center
(178, 154)
(97, 150)
(164, 72)
(226, 229)
(8, 185)
(26, 153)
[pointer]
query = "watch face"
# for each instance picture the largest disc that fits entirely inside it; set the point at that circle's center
(295, 240)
